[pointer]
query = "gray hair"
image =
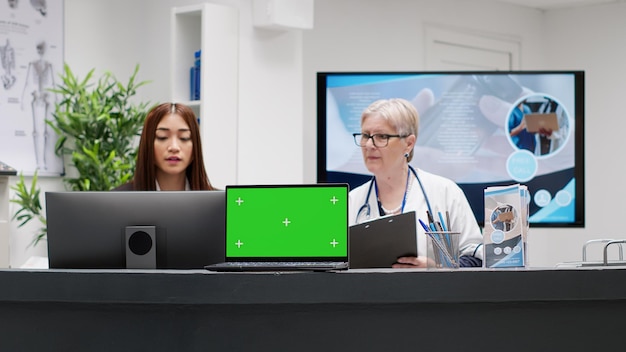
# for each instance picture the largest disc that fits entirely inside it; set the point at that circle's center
(400, 113)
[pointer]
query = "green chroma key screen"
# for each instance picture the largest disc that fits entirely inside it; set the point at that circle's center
(286, 221)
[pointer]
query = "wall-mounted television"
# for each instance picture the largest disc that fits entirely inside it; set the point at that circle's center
(479, 129)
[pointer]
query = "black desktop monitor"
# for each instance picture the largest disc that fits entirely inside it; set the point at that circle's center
(468, 133)
(118, 230)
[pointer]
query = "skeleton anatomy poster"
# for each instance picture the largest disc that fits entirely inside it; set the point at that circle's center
(31, 52)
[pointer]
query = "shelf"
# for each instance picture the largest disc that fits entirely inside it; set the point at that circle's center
(191, 103)
(214, 29)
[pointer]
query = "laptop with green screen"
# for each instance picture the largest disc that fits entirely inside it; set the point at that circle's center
(285, 227)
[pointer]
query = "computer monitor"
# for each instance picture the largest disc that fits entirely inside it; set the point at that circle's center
(144, 230)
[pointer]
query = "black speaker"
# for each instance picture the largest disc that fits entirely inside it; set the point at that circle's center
(141, 247)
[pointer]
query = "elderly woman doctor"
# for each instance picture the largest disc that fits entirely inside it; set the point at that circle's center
(387, 138)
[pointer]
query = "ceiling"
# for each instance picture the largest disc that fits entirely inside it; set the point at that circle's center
(558, 4)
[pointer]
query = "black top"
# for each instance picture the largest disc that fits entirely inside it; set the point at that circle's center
(6, 170)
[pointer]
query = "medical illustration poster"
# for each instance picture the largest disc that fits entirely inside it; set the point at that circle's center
(31, 52)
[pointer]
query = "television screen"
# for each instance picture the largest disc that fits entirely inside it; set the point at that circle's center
(479, 129)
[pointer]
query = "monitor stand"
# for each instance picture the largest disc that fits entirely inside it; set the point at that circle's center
(140, 243)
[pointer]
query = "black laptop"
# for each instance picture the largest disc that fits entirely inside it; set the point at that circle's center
(378, 243)
(285, 228)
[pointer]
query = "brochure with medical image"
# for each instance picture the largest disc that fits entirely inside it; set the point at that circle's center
(506, 226)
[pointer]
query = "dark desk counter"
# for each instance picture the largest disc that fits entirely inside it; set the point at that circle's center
(474, 310)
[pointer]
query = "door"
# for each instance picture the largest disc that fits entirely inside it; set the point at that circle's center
(453, 49)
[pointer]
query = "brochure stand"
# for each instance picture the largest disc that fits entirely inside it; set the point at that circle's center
(5, 172)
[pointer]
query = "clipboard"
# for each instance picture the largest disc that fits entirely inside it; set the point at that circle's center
(536, 121)
(378, 243)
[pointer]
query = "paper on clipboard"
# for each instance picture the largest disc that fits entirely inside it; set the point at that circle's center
(536, 121)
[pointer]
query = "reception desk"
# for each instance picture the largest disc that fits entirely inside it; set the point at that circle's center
(407, 310)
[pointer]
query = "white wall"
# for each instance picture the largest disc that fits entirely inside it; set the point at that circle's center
(362, 35)
(115, 35)
(277, 121)
(591, 38)
(389, 35)
(270, 73)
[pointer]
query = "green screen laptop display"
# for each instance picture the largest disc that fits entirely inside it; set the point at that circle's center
(287, 221)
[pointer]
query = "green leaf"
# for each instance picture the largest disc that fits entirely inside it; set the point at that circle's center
(28, 198)
(96, 121)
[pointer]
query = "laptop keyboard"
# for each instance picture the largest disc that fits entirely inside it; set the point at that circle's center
(277, 266)
(286, 264)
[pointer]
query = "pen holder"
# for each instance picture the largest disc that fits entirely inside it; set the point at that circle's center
(443, 249)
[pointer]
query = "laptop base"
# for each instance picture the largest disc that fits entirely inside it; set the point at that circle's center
(279, 266)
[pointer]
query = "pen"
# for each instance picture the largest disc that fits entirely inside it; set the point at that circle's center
(424, 225)
(430, 217)
(443, 223)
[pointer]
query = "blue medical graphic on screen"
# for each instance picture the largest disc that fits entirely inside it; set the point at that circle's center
(479, 129)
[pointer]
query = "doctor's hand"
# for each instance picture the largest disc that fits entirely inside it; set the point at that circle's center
(494, 151)
(410, 263)
(545, 131)
(497, 110)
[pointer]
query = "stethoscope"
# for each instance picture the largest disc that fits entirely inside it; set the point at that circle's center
(365, 210)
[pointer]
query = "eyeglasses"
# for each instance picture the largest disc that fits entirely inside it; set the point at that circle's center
(380, 140)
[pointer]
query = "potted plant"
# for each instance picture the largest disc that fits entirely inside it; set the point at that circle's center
(30, 207)
(98, 126)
